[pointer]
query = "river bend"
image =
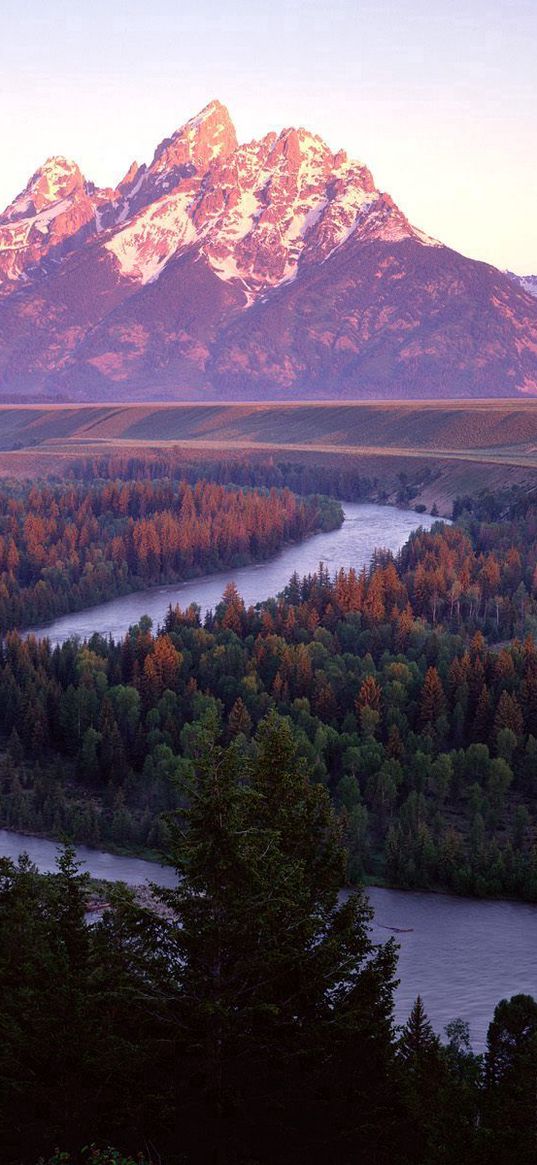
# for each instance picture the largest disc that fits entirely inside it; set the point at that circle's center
(461, 955)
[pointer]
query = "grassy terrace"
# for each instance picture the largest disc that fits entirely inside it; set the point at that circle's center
(472, 444)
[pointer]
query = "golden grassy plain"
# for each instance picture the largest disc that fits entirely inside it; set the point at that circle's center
(470, 444)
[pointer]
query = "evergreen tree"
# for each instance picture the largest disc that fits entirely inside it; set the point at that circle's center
(423, 1077)
(45, 1029)
(268, 975)
(510, 1126)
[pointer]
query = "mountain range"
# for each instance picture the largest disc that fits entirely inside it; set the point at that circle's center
(270, 270)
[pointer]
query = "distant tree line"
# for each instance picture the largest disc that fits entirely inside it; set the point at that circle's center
(332, 475)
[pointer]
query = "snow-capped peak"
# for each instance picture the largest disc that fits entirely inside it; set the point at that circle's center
(179, 163)
(258, 213)
(59, 175)
(56, 206)
(55, 180)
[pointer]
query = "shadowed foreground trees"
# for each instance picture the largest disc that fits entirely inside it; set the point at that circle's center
(249, 1018)
(246, 1017)
(511, 1081)
(276, 1002)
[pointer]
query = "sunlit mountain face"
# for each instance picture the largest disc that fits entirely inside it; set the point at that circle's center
(272, 269)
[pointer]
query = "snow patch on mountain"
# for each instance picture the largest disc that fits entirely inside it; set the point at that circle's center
(350, 298)
(261, 211)
(42, 221)
(55, 180)
(526, 282)
(143, 248)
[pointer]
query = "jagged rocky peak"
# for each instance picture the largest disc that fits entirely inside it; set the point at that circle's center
(199, 142)
(58, 178)
(180, 162)
(57, 208)
(258, 210)
(129, 179)
(263, 267)
(301, 152)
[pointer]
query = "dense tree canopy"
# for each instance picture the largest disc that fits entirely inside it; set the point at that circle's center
(66, 546)
(425, 737)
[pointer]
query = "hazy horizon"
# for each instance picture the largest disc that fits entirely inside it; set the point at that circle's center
(440, 104)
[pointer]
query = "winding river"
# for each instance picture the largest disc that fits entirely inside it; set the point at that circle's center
(365, 528)
(461, 955)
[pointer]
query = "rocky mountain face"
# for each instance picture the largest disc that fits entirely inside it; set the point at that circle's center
(271, 269)
(526, 282)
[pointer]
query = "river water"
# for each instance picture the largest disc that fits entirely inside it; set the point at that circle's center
(112, 867)
(461, 955)
(365, 528)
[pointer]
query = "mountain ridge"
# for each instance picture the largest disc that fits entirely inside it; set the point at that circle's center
(526, 282)
(270, 268)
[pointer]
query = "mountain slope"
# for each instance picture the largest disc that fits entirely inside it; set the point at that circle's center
(390, 318)
(526, 282)
(272, 268)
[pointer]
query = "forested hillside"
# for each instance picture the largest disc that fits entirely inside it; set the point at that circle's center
(411, 689)
(66, 546)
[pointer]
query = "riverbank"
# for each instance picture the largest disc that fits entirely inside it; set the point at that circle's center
(154, 861)
(484, 949)
(365, 528)
(143, 550)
